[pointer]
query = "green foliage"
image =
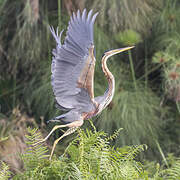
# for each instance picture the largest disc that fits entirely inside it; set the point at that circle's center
(129, 110)
(96, 158)
(155, 171)
(88, 156)
(26, 51)
(33, 153)
(128, 37)
(173, 173)
(165, 31)
(168, 19)
(5, 174)
(169, 58)
(1, 2)
(126, 14)
(161, 57)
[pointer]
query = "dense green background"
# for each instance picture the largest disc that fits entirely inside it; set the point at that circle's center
(147, 97)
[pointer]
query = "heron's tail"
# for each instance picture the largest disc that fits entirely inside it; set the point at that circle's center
(57, 119)
(68, 117)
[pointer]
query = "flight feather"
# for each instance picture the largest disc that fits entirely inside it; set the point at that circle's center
(73, 63)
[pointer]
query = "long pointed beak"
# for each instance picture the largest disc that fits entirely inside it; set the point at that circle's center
(116, 51)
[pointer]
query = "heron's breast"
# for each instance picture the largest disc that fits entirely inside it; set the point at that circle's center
(88, 115)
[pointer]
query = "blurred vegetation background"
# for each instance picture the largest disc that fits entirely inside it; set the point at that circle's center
(147, 97)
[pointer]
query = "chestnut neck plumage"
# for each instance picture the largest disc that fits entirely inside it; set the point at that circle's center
(111, 82)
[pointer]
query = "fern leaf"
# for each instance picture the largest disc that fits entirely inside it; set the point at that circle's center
(34, 152)
(5, 174)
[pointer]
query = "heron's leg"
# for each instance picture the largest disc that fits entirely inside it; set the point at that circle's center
(73, 124)
(54, 128)
(68, 132)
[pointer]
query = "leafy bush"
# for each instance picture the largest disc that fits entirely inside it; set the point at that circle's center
(88, 156)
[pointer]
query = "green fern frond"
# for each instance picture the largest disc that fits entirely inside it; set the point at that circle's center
(34, 153)
(173, 173)
(94, 156)
(114, 135)
(135, 150)
(88, 156)
(92, 125)
(5, 174)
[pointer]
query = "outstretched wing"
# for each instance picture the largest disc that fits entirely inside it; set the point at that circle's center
(73, 63)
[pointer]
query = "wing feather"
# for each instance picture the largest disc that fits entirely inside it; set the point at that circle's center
(73, 63)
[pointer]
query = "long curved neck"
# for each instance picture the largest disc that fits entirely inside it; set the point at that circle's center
(110, 79)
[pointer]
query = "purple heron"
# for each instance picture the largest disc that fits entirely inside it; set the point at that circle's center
(72, 80)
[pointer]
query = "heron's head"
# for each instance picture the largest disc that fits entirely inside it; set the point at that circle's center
(116, 51)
